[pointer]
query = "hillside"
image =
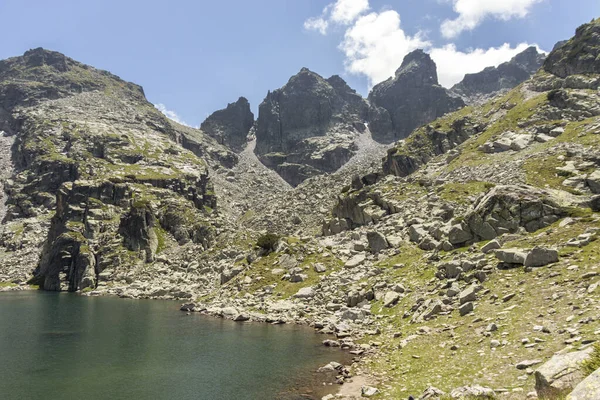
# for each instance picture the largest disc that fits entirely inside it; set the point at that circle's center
(460, 261)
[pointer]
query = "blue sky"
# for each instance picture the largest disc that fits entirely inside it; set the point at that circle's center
(196, 56)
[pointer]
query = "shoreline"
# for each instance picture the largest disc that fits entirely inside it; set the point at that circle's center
(323, 383)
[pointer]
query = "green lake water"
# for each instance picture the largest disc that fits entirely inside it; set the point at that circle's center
(63, 346)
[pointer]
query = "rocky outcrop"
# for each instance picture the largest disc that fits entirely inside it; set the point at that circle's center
(413, 97)
(579, 55)
(308, 126)
(493, 80)
(231, 125)
(504, 209)
(559, 375)
(426, 143)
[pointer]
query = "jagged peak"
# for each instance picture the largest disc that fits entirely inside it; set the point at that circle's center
(418, 67)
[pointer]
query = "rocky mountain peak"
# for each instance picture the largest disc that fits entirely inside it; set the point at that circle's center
(418, 68)
(230, 126)
(530, 59)
(491, 81)
(579, 55)
(411, 98)
(39, 57)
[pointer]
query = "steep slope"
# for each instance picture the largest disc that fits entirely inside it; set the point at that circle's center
(492, 81)
(99, 177)
(411, 98)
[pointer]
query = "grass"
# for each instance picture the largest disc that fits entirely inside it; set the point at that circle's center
(460, 192)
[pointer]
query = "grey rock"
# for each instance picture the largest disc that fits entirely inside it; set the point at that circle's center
(559, 375)
(539, 257)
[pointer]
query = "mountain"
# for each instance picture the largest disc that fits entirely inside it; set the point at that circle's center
(494, 80)
(230, 126)
(97, 173)
(308, 126)
(459, 262)
(412, 97)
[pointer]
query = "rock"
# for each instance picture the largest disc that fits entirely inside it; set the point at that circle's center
(368, 391)
(539, 257)
(593, 181)
(432, 393)
(355, 261)
(411, 98)
(588, 389)
(528, 363)
(511, 256)
(507, 75)
(319, 268)
(390, 298)
(560, 374)
(465, 309)
(377, 242)
(241, 318)
(305, 293)
(473, 392)
(491, 245)
(468, 295)
(231, 125)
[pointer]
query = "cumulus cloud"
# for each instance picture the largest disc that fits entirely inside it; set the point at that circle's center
(170, 114)
(375, 45)
(342, 12)
(453, 64)
(472, 12)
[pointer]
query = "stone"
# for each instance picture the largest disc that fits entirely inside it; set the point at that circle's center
(511, 256)
(305, 293)
(593, 181)
(473, 392)
(491, 245)
(527, 363)
(468, 295)
(559, 375)
(539, 257)
(368, 391)
(390, 298)
(465, 309)
(377, 242)
(587, 389)
(355, 261)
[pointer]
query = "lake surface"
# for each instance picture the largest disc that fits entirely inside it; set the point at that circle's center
(63, 346)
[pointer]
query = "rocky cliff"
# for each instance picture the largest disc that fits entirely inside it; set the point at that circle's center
(99, 174)
(494, 80)
(308, 126)
(230, 126)
(411, 98)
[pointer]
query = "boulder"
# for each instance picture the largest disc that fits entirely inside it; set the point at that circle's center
(491, 245)
(559, 375)
(538, 257)
(511, 256)
(390, 298)
(473, 392)
(587, 389)
(305, 293)
(377, 242)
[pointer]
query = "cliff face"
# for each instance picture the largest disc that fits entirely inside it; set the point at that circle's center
(411, 98)
(308, 126)
(98, 170)
(493, 80)
(231, 125)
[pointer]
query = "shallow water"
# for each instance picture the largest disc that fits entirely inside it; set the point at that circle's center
(63, 346)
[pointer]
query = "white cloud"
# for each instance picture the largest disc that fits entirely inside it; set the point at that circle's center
(375, 45)
(316, 24)
(342, 12)
(170, 114)
(452, 64)
(472, 12)
(346, 11)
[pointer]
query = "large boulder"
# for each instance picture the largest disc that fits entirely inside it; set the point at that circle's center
(559, 375)
(412, 97)
(505, 209)
(587, 389)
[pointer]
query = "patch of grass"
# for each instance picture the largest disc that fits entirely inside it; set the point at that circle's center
(460, 192)
(268, 241)
(7, 284)
(590, 365)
